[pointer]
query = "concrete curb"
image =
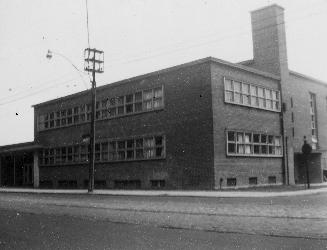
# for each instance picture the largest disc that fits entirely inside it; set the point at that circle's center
(209, 194)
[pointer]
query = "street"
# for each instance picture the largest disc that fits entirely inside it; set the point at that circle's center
(44, 221)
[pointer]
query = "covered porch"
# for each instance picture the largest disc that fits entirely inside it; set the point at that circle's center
(316, 164)
(19, 165)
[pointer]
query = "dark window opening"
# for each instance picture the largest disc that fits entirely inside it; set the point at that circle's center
(272, 179)
(158, 183)
(253, 180)
(231, 182)
(127, 184)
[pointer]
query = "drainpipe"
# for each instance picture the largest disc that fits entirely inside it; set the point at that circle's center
(284, 138)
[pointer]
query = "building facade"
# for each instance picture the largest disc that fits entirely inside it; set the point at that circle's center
(207, 124)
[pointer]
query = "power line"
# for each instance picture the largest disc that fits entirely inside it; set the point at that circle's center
(34, 93)
(208, 42)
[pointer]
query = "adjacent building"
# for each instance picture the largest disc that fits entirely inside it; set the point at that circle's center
(207, 124)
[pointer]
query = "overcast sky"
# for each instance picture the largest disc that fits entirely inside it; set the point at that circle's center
(137, 36)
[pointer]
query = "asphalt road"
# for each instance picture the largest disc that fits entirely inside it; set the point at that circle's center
(114, 222)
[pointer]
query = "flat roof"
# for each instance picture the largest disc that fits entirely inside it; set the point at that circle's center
(166, 70)
(308, 78)
(24, 146)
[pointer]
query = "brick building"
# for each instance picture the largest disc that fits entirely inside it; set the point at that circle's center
(207, 124)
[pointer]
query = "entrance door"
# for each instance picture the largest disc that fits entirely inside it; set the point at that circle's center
(27, 174)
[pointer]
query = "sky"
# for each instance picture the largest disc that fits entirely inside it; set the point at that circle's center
(137, 37)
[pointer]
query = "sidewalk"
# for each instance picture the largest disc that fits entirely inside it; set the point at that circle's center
(319, 188)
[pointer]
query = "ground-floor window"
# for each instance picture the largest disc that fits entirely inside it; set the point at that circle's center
(253, 144)
(139, 148)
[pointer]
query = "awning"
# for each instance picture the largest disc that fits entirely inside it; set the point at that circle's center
(25, 146)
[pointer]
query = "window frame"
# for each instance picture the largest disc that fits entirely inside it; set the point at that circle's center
(252, 143)
(253, 95)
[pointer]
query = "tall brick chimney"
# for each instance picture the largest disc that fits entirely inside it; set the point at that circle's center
(269, 39)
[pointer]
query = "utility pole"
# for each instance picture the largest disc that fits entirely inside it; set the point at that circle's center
(93, 62)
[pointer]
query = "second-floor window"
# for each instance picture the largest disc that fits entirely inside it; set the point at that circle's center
(313, 116)
(140, 101)
(247, 94)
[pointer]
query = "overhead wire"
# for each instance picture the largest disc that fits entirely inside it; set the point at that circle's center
(36, 92)
(204, 43)
(220, 39)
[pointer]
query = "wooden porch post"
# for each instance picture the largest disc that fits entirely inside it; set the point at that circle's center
(36, 173)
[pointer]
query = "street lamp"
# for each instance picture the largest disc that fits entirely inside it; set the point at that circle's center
(93, 62)
(50, 54)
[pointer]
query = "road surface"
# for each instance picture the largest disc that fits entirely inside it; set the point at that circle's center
(116, 222)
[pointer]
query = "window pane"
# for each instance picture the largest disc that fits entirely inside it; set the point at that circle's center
(260, 92)
(112, 102)
(246, 99)
(253, 90)
(149, 153)
(121, 144)
(129, 108)
(247, 138)
(138, 107)
(239, 137)
(130, 143)
(139, 143)
(231, 136)
(157, 103)
(237, 86)
(254, 101)
(129, 98)
(228, 96)
(245, 88)
(148, 105)
(159, 152)
(264, 149)
(231, 148)
(158, 92)
(256, 138)
(256, 149)
(240, 149)
(138, 96)
(147, 95)
(263, 138)
(130, 154)
(120, 110)
(158, 141)
(120, 100)
(148, 142)
(228, 85)
(237, 97)
(247, 149)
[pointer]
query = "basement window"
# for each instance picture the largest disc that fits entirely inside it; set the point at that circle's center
(253, 180)
(231, 182)
(272, 179)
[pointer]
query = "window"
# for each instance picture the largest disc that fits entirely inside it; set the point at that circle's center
(251, 95)
(253, 144)
(253, 181)
(51, 120)
(272, 179)
(231, 182)
(145, 100)
(76, 115)
(158, 183)
(104, 151)
(313, 114)
(151, 147)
